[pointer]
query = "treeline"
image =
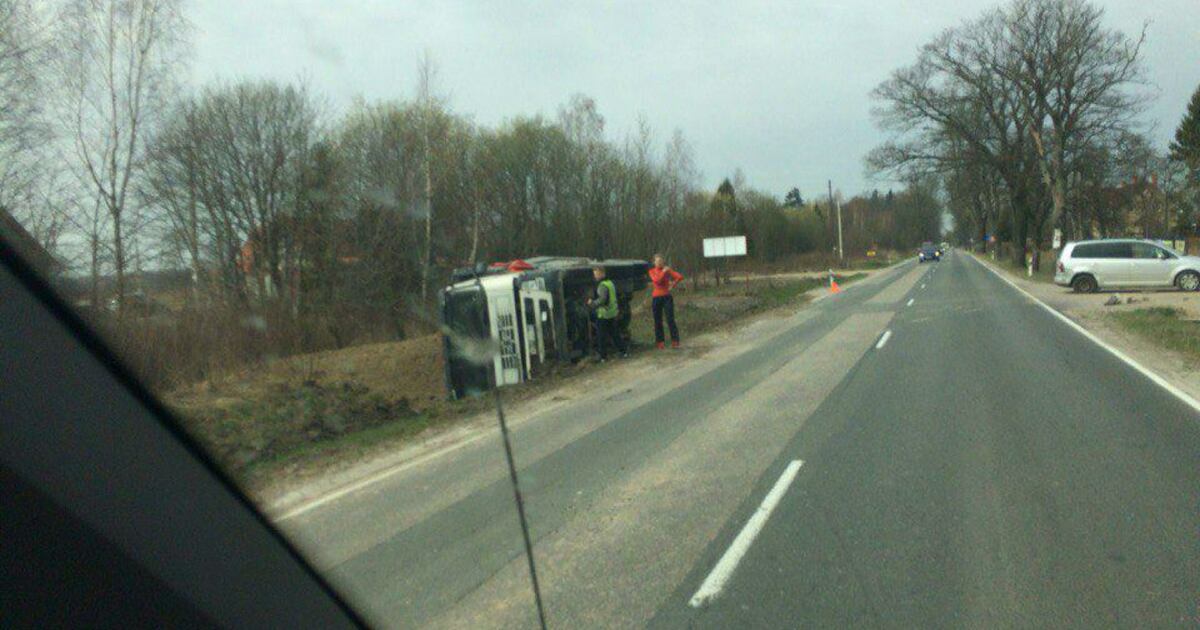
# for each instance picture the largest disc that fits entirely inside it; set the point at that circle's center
(1029, 114)
(264, 203)
(301, 228)
(379, 205)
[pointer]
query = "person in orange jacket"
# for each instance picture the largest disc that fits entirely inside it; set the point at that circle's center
(663, 278)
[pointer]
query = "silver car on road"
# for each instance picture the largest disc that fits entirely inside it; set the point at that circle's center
(1088, 266)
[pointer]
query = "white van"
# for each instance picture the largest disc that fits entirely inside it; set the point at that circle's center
(1088, 266)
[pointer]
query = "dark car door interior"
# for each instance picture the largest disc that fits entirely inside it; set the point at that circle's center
(112, 516)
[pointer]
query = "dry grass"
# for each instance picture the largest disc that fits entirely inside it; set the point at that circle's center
(306, 405)
(273, 412)
(410, 369)
(799, 263)
(193, 345)
(1165, 326)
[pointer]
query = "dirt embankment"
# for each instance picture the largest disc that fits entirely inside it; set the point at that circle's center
(273, 411)
(410, 369)
(295, 414)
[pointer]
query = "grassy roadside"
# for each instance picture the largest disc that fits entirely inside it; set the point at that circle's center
(872, 263)
(265, 421)
(308, 411)
(350, 445)
(1164, 326)
(1044, 273)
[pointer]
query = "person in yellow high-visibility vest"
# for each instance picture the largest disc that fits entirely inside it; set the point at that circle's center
(607, 309)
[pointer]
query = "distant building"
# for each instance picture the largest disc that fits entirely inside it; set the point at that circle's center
(287, 276)
(28, 248)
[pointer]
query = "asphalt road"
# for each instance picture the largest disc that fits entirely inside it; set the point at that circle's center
(926, 449)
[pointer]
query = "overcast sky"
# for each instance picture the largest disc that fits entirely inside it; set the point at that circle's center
(779, 89)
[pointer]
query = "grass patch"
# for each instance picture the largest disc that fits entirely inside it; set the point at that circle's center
(263, 425)
(348, 445)
(1044, 273)
(871, 263)
(1166, 327)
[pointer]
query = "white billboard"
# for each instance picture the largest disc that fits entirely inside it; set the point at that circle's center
(723, 246)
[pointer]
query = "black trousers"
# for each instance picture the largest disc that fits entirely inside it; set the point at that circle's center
(664, 305)
(606, 331)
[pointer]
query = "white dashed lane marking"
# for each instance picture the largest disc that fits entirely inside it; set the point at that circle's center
(715, 582)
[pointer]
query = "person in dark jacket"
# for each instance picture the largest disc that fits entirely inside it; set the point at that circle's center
(663, 279)
(606, 307)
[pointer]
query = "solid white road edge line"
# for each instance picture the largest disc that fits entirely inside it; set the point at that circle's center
(374, 478)
(1158, 380)
(377, 477)
(910, 301)
(715, 582)
(887, 334)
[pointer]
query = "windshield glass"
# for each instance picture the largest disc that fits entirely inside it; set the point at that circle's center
(510, 313)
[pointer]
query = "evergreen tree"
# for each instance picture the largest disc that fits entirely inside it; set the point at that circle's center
(793, 199)
(724, 213)
(1186, 147)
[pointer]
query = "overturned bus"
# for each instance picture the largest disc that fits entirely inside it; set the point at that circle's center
(504, 324)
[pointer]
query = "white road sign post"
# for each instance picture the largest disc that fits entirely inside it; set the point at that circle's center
(724, 247)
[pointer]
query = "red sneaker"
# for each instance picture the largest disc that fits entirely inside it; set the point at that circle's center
(674, 344)
(660, 345)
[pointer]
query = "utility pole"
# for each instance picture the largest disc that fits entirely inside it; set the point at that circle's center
(841, 253)
(1167, 209)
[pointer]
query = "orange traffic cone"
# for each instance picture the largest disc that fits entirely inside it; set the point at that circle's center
(833, 285)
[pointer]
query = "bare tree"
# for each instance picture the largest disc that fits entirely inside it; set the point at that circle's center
(380, 145)
(239, 153)
(1077, 76)
(86, 217)
(588, 167)
(429, 104)
(643, 208)
(952, 105)
(973, 190)
(171, 185)
(679, 175)
(23, 133)
(1021, 91)
(475, 182)
(117, 70)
